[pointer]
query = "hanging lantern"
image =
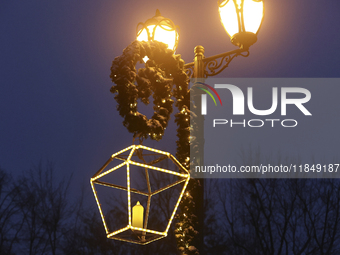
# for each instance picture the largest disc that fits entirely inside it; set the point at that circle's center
(242, 20)
(128, 164)
(159, 29)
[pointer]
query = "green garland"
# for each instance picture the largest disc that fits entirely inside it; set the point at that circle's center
(161, 72)
(165, 77)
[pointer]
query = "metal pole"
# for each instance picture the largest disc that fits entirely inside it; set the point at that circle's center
(198, 75)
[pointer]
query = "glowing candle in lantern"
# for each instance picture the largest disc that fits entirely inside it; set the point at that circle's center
(137, 215)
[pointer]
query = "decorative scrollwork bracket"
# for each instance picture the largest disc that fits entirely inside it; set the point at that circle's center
(189, 69)
(216, 64)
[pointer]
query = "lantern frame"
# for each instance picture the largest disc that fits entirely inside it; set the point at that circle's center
(242, 38)
(158, 21)
(145, 235)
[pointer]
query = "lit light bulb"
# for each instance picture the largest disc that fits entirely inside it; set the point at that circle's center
(241, 19)
(159, 29)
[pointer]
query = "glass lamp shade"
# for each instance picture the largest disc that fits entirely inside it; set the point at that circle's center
(242, 20)
(159, 29)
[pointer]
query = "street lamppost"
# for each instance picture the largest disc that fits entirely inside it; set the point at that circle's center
(242, 20)
(165, 77)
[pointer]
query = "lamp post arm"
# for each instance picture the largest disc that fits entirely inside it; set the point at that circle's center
(215, 64)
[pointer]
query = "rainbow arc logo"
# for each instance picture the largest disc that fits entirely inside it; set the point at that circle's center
(204, 96)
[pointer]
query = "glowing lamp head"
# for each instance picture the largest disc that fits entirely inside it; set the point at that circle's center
(242, 20)
(159, 29)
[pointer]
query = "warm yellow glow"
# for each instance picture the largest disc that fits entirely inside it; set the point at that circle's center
(121, 151)
(177, 204)
(137, 215)
(239, 3)
(132, 152)
(137, 242)
(99, 206)
(178, 164)
(158, 169)
(230, 13)
(228, 17)
(108, 171)
(149, 231)
(128, 191)
(143, 34)
(162, 33)
(252, 14)
(159, 29)
(118, 231)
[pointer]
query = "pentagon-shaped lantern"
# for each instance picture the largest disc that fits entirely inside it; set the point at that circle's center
(139, 168)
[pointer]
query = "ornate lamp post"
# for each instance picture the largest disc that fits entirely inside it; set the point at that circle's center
(242, 20)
